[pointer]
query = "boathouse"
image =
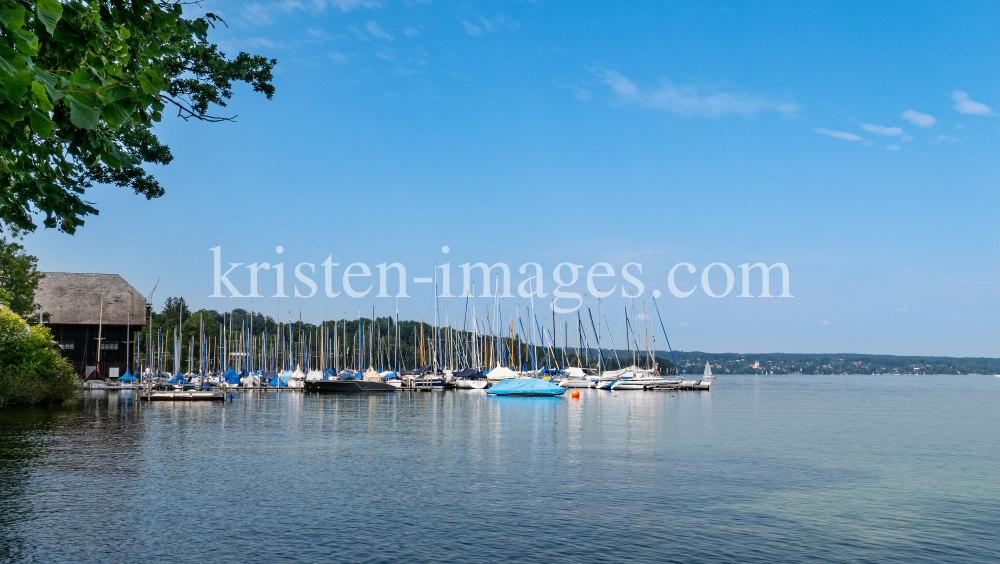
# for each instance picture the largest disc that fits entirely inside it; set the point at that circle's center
(81, 306)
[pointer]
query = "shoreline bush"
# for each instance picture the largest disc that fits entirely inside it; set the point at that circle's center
(31, 369)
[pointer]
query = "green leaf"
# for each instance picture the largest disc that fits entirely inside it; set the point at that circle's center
(118, 93)
(49, 12)
(16, 84)
(82, 115)
(26, 42)
(11, 113)
(41, 97)
(12, 17)
(5, 65)
(41, 124)
(116, 114)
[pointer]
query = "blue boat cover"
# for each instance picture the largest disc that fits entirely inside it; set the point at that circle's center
(127, 377)
(419, 371)
(286, 376)
(329, 375)
(525, 387)
(277, 383)
(547, 371)
(178, 379)
(390, 375)
(232, 377)
(268, 375)
(347, 376)
(469, 373)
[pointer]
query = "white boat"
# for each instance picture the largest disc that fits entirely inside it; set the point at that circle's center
(576, 378)
(501, 373)
(708, 373)
(471, 383)
(298, 379)
(640, 379)
(314, 376)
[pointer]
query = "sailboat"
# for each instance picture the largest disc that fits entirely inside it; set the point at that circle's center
(708, 372)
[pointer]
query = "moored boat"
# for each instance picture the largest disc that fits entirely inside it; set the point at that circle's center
(526, 387)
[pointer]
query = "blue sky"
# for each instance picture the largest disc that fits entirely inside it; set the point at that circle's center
(855, 143)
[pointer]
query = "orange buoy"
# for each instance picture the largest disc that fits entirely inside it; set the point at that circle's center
(575, 394)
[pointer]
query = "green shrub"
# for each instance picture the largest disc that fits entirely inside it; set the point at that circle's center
(31, 369)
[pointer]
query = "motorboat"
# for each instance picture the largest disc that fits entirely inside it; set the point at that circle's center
(576, 378)
(348, 384)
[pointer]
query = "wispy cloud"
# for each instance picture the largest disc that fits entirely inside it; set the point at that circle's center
(966, 105)
(892, 147)
(377, 32)
(579, 92)
(411, 32)
(949, 139)
(904, 309)
(482, 24)
(339, 57)
(258, 14)
(882, 130)
(472, 29)
(845, 135)
(694, 100)
(917, 118)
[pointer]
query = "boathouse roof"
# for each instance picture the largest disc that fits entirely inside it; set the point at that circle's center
(74, 298)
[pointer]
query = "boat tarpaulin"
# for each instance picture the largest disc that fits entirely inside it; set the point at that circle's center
(178, 379)
(347, 376)
(419, 371)
(232, 377)
(525, 387)
(470, 373)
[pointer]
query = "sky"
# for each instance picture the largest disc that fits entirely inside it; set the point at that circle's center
(853, 142)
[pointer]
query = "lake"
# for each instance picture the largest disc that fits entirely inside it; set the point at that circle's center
(761, 469)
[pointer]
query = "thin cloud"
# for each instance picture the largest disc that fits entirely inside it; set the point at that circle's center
(377, 32)
(411, 32)
(917, 118)
(882, 130)
(966, 105)
(339, 57)
(258, 14)
(693, 100)
(488, 25)
(846, 136)
(472, 29)
(892, 147)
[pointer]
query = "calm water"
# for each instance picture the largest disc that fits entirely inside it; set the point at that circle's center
(761, 469)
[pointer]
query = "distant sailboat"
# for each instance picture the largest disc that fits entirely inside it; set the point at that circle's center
(708, 372)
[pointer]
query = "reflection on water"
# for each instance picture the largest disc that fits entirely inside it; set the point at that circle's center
(761, 469)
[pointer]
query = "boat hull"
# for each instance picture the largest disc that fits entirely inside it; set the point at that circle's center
(348, 386)
(575, 383)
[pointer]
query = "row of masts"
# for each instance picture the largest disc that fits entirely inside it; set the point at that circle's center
(377, 343)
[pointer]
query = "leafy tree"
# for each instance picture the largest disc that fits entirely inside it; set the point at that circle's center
(31, 369)
(81, 85)
(18, 277)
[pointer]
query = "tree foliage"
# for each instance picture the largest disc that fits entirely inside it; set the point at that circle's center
(31, 370)
(81, 86)
(18, 278)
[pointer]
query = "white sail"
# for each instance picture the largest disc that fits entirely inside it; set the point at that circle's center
(708, 372)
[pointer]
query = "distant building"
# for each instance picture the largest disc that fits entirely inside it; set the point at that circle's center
(73, 302)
